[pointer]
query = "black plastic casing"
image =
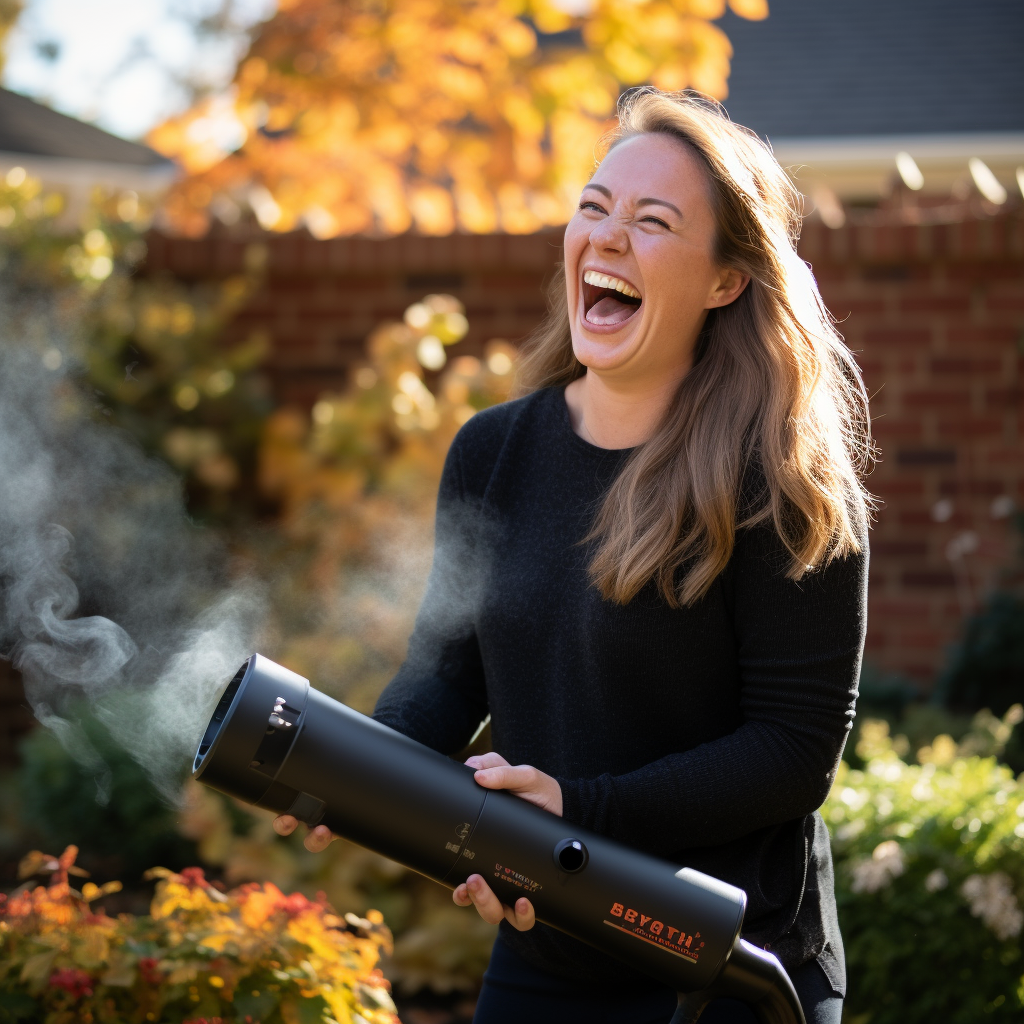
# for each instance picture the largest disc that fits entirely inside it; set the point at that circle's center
(331, 765)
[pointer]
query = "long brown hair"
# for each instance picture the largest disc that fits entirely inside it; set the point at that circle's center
(773, 388)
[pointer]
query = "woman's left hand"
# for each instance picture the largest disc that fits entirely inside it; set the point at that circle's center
(527, 782)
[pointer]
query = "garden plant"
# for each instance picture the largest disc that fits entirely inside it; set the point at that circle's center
(251, 954)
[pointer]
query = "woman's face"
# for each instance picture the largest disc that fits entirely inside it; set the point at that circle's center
(639, 262)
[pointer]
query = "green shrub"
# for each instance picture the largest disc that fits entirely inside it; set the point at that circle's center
(930, 879)
(111, 810)
(987, 668)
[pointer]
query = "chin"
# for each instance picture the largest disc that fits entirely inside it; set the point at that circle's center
(605, 350)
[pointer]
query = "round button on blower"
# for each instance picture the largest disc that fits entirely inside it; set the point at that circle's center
(275, 742)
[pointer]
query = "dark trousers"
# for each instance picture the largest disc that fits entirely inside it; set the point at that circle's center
(515, 992)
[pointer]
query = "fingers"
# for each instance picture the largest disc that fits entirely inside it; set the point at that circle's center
(318, 839)
(494, 772)
(505, 776)
(476, 892)
(489, 760)
(488, 906)
(521, 916)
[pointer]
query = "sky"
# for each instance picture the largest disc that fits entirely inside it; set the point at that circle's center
(119, 63)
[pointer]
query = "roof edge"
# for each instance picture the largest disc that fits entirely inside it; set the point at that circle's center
(873, 149)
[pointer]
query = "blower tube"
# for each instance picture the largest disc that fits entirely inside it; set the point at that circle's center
(275, 742)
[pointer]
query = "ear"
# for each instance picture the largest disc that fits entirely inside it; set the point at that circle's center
(730, 286)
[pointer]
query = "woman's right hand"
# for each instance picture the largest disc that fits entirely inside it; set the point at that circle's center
(317, 839)
(477, 893)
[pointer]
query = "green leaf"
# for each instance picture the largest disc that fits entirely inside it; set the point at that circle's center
(312, 1011)
(254, 1002)
(17, 1006)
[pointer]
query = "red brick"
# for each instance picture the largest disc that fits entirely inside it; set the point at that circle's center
(1012, 455)
(1012, 303)
(894, 548)
(936, 398)
(929, 639)
(934, 578)
(906, 337)
(895, 427)
(963, 365)
(902, 608)
(936, 304)
(896, 488)
(985, 488)
(971, 426)
(984, 273)
(1003, 396)
(968, 336)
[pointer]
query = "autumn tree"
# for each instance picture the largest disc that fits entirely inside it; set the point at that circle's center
(382, 116)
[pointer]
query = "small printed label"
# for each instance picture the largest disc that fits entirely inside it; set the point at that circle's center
(515, 878)
(657, 933)
(462, 833)
(468, 854)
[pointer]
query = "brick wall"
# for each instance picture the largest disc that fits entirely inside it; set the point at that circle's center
(322, 299)
(934, 313)
(936, 318)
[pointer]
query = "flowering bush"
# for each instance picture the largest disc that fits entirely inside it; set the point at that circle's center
(252, 954)
(355, 481)
(930, 880)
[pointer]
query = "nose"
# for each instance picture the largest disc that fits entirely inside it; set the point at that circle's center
(610, 236)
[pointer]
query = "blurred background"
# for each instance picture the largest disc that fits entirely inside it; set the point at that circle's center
(299, 243)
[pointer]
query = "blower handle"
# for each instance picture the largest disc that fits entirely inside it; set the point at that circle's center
(755, 976)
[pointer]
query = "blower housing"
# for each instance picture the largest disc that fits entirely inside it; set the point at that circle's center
(275, 742)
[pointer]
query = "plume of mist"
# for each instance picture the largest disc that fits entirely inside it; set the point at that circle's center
(111, 600)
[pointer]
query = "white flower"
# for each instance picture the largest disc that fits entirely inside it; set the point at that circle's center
(886, 863)
(936, 880)
(991, 898)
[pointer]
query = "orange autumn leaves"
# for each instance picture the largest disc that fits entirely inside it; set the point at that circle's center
(247, 954)
(435, 115)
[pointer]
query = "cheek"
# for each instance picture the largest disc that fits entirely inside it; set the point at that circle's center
(676, 280)
(576, 236)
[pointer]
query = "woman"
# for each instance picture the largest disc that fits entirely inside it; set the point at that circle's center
(650, 570)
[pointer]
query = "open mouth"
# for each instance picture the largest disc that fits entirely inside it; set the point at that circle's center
(607, 300)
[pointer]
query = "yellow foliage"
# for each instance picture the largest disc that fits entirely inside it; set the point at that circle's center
(201, 953)
(437, 114)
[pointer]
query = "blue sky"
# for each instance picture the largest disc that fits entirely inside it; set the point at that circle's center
(116, 62)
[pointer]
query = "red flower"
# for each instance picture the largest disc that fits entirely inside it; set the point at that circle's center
(149, 971)
(193, 877)
(294, 904)
(75, 982)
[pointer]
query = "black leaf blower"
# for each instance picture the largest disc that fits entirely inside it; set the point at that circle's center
(275, 742)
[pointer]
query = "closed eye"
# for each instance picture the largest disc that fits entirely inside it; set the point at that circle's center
(656, 220)
(589, 204)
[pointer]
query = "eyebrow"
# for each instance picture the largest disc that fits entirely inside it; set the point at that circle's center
(640, 202)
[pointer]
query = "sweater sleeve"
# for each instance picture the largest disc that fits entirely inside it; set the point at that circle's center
(438, 696)
(799, 646)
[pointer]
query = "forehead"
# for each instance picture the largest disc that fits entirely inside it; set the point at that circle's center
(653, 165)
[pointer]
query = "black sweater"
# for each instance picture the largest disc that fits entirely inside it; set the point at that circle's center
(705, 735)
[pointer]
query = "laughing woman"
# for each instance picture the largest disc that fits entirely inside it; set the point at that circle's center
(650, 569)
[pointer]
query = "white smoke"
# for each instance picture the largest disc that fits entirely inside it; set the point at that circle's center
(110, 598)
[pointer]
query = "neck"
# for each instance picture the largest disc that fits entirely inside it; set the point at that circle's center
(616, 415)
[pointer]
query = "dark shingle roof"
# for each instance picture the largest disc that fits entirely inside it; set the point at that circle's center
(30, 128)
(838, 68)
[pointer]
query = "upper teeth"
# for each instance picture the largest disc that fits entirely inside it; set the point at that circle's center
(604, 281)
